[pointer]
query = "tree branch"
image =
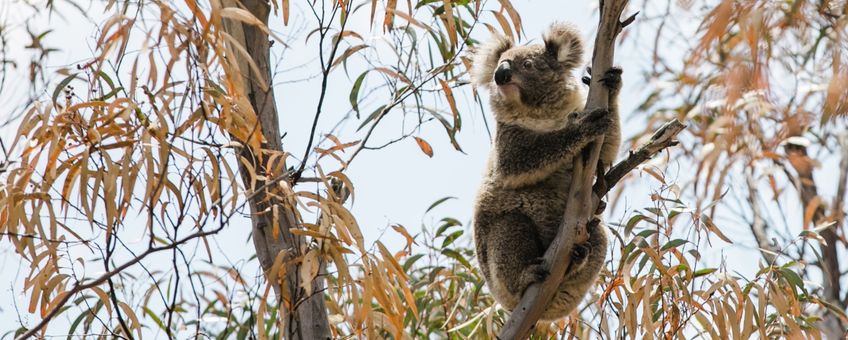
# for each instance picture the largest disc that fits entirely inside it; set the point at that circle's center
(580, 202)
(663, 138)
(758, 225)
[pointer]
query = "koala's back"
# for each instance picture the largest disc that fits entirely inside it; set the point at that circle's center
(521, 203)
(542, 202)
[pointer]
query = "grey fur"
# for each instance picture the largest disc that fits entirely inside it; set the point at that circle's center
(521, 201)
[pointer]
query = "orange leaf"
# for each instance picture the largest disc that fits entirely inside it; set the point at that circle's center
(425, 147)
(504, 24)
(451, 102)
(810, 210)
(449, 22)
(390, 14)
(513, 14)
(286, 12)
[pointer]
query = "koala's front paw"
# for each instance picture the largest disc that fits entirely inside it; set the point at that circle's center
(612, 79)
(573, 118)
(597, 121)
(537, 271)
(595, 115)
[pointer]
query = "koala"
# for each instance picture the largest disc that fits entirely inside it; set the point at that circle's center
(537, 104)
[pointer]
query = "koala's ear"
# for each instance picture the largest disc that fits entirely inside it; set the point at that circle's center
(564, 42)
(485, 60)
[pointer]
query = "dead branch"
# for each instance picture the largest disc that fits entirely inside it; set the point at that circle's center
(580, 203)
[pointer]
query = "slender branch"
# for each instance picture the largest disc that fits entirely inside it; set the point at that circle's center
(838, 210)
(663, 138)
(758, 225)
(580, 202)
(325, 76)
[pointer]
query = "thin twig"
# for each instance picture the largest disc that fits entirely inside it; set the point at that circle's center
(325, 75)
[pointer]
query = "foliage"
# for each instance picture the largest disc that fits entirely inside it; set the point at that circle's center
(126, 173)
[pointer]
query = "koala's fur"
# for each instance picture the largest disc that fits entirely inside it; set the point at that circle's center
(521, 201)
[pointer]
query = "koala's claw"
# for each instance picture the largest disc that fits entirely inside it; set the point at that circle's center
(601, 207)
(580, 252)
(593, 223)
(579, 256)
(612, 78)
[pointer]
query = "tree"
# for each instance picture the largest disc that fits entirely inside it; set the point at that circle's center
(164, 141)
(143, 141)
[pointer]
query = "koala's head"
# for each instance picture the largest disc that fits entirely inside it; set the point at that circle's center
(532, 76)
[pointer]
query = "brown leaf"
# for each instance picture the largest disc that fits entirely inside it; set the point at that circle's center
(347, 53)
(810, 211)
(513, 14)
(507, 31)
(390, 14)
(309, 270)
(451, 102)
(425, 147)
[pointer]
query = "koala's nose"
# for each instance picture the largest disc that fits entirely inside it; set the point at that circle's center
(503, 74)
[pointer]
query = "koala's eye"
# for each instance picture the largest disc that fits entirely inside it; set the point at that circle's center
(528, 64)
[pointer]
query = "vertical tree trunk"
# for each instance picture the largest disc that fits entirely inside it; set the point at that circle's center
(308, 320)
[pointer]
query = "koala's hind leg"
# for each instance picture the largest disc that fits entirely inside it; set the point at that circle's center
(515, 253)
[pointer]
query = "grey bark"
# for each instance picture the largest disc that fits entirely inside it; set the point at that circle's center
(309, 318)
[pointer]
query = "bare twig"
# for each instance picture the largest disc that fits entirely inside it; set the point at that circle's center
(325, 75)
(580, 201)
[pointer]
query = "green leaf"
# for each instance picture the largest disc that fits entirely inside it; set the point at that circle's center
(451, 237)
(155, 318)
(110, 94)
(61, 87)
(437, 202)
(354, 93)
(673, 243)
(456, 256)
(794, 280)
(411, 261)
(631, 223)
(108, 80)
(371, 117)
(447, 223)
(76, 323)
(645, 233)
(705, 271)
